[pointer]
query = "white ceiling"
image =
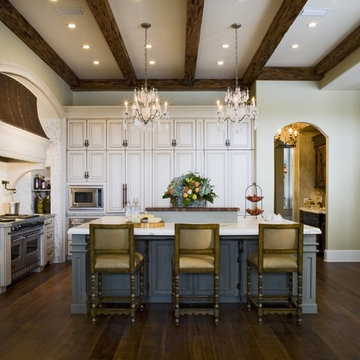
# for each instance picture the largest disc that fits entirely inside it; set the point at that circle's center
(168, 33)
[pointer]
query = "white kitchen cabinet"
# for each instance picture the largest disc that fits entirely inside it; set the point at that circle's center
(163, 173)
(230, 171)
(87, 134)
(177, 134)
(116, 179)
(121, 137)
(86, 166)
(228, 135)
(135, 178)
(185, 161)
(48, 242)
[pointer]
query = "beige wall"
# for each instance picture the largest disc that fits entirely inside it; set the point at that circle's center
(15, 54)
(337, 114)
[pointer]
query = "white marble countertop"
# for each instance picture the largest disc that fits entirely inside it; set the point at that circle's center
(315, 211)
(244, 226)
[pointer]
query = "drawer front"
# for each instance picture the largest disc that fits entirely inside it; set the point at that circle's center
(49, 236)
(49, 222)
(50, 253)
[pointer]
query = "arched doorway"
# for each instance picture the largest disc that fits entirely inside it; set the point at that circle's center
(300, 176)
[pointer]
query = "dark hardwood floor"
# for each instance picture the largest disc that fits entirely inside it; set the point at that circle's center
(35, 323)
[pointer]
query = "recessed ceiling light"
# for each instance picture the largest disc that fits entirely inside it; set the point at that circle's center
(71, 26)
(152, 62)
(312, 24)
(86, 46)
(225, 46)
(96, 62)
(220, 62)
(148, 46)
(294, 46)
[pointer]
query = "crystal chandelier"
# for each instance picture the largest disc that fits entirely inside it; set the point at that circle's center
(146, 109)
(237, 104)
(286, 137)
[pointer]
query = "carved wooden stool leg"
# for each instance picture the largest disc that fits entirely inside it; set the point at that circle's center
(93, 299)
(177, 299)
(260, 299)
(99, 289)
(216, 298)
(290, 284)
(132, 299)
(299, 298)
(248, 286)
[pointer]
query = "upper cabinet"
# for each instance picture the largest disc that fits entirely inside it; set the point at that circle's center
(86, 134)
(228, 135)
(177, 134)
(120, 136)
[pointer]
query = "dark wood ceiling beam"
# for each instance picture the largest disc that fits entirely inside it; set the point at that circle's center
(339, 53)
(288, 12)
(162, 85)
(288, 73)
(104, 17)
(194, 15)
(28, 35)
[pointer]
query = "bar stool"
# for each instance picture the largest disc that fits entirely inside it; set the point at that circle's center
(112, 251)
(196, 252)
(280, 251)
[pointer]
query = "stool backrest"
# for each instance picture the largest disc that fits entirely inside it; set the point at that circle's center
(281, 239)
(112, 239)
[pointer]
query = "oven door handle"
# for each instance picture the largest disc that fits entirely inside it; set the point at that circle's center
(34, 233)
(18, 238)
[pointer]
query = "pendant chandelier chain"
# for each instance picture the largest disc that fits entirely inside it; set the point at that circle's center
(236, 58)
(145, 57)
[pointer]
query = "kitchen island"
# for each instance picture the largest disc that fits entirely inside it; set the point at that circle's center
(237, 240)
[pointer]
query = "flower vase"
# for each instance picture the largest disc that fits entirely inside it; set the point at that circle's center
(194, 203)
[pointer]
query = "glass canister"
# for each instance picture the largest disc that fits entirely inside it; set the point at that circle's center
(47, 204)
(39, 204)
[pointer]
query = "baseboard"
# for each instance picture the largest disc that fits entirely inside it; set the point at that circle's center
(342, 256)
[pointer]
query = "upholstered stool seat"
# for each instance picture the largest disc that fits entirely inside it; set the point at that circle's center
(196, 252)
(112, 251)
(280, 251)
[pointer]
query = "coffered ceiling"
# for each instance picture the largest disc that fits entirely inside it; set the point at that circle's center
(187, 38)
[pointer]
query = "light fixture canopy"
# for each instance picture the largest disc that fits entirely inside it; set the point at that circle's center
(145, 109)
(237, 103)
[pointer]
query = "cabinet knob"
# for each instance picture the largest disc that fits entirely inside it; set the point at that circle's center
(173, 142)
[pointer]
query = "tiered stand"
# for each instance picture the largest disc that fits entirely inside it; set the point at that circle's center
(253, 197)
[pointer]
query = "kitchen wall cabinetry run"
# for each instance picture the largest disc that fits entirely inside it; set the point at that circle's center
(146, 161)
(48, 244)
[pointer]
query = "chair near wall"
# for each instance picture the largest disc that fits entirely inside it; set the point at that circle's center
(280, 251)
(196, 252)
(112, 251)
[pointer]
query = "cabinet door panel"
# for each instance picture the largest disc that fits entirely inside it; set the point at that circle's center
(96, 134)
(240, 135)
(116, 179)
(134, 137)
(215, 135)
(185, 161)
(163, 172)
(216, 168)
(76, 165)
(96, 164)
(163, 135)
(76, 134)
(135, 176)
(115, 134)
(240, 176)
(185, 134)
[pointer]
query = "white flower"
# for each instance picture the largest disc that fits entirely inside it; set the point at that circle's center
(189, 191)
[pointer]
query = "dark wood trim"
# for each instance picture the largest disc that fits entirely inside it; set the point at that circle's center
(104, 17)
(194, 15)
(288, 73)
(31, 38)
(284, 18)
(339, 53)
(161, 84)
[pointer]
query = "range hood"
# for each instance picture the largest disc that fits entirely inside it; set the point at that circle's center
(21, 134)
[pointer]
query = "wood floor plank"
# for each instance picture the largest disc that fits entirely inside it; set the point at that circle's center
(35, 323)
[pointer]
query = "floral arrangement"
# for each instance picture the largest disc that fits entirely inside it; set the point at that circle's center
(189, 187)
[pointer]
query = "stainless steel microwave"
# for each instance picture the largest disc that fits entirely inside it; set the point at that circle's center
(86, 197)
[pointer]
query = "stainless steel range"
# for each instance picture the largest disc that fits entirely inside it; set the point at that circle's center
(24, 233)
